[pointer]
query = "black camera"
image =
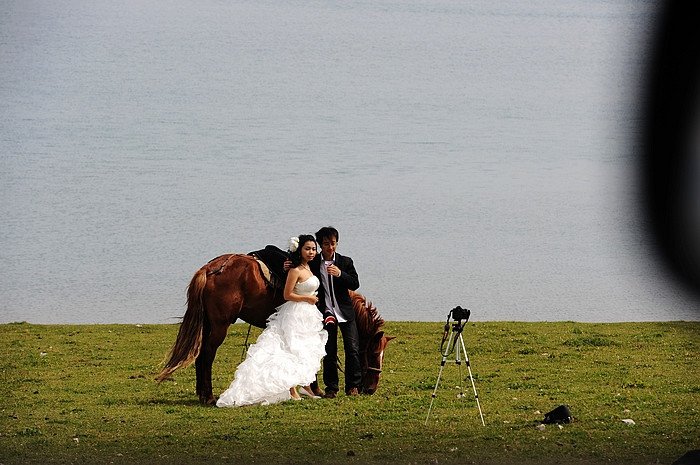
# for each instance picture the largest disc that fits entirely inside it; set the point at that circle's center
(458, 314)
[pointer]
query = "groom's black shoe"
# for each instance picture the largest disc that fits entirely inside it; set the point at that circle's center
(330, 394)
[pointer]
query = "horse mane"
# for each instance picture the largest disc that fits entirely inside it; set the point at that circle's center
(368, 320)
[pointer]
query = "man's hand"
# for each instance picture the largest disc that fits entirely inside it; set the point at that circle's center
(333, 270)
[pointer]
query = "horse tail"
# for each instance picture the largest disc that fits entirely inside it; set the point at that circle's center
(189, 336)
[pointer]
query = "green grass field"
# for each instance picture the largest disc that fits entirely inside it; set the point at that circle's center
(86, 394)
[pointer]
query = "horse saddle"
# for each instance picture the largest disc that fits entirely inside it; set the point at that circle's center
(272, 258)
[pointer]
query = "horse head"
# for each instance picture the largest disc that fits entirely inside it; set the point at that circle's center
(373, 342)
(371, 361)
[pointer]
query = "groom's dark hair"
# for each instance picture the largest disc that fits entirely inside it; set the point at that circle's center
(327, 232)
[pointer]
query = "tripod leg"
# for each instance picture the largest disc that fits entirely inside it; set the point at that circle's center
(459, 347)
(442, 365)
(476, 396)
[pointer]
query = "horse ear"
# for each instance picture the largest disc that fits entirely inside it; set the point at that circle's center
(380, 335)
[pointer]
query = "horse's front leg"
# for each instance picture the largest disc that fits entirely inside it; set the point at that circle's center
(211, 340)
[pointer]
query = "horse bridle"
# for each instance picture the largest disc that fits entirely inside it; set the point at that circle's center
(367, 368)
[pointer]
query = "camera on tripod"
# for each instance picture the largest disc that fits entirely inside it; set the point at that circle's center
(455, 343)
(458, 314)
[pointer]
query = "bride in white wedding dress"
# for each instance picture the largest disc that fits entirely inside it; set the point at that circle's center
(288, 353)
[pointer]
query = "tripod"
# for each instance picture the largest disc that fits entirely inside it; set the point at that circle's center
(456, 342)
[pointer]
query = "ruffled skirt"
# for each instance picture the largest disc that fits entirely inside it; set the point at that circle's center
(287, 353)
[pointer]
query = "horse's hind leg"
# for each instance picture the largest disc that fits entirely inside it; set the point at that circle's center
(212, 338)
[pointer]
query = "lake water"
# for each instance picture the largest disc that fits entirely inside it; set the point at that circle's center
(470, 153)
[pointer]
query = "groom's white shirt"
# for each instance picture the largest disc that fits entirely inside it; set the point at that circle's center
(331, 303)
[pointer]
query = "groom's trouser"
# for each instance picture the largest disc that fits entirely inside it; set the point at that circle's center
(351, 344)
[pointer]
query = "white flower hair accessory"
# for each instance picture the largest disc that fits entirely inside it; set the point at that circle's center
(293, 244)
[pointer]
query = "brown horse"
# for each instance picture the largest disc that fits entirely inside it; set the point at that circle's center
(373, 341)
(233, 286)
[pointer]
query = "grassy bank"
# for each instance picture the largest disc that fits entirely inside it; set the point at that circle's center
(85, 394)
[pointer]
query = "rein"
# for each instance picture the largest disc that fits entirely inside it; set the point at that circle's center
(221, 268)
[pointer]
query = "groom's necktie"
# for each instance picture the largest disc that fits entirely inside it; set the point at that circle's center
(330, 283)
(332, 293)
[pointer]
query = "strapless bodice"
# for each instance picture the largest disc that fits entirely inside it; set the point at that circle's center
(307, 287)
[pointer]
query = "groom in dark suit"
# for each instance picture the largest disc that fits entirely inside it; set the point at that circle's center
(337, 276)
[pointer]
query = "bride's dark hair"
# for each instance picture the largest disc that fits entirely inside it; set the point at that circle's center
(295, 256)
